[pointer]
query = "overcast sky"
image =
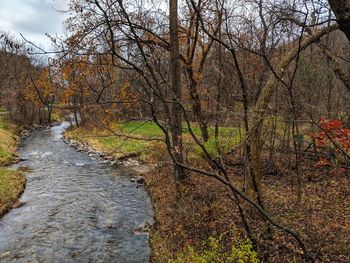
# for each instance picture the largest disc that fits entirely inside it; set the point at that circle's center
(32, 18)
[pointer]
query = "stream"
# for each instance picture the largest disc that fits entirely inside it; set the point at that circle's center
(75, 210)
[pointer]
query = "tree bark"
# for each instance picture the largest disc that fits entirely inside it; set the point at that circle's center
(197, 110)
(175, 72)
(341, 9)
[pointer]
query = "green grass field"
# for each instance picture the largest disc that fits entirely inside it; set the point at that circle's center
(120, 145)
(229, 137)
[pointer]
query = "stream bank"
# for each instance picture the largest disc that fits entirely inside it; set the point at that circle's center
(12, 182)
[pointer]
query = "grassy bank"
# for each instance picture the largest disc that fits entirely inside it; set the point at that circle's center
(144, 139)
(12, 182)
(8, 142)
(12, 185)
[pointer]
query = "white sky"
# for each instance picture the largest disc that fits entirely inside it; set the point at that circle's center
(32, 18)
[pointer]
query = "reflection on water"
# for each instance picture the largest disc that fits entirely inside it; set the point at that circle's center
(75, 209)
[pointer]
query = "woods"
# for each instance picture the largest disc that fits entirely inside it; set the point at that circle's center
(241, 106)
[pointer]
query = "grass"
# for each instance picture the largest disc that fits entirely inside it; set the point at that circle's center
(12, 184)
(145, 129)
(56, 116)
(229, 137)
(113, 145)
(8, 142)
(119, 145)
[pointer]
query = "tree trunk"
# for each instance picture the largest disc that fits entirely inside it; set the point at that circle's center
(341, 9)
(49, 113)
(197, 110)
(175, 71)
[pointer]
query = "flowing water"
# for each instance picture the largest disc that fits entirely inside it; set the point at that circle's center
(75, 209)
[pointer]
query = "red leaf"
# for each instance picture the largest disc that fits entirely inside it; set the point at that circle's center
(338, 171)
(346, 132)
(330, 124)
(323, 162)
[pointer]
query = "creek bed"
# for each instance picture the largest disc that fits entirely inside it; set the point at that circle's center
(75, 210)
